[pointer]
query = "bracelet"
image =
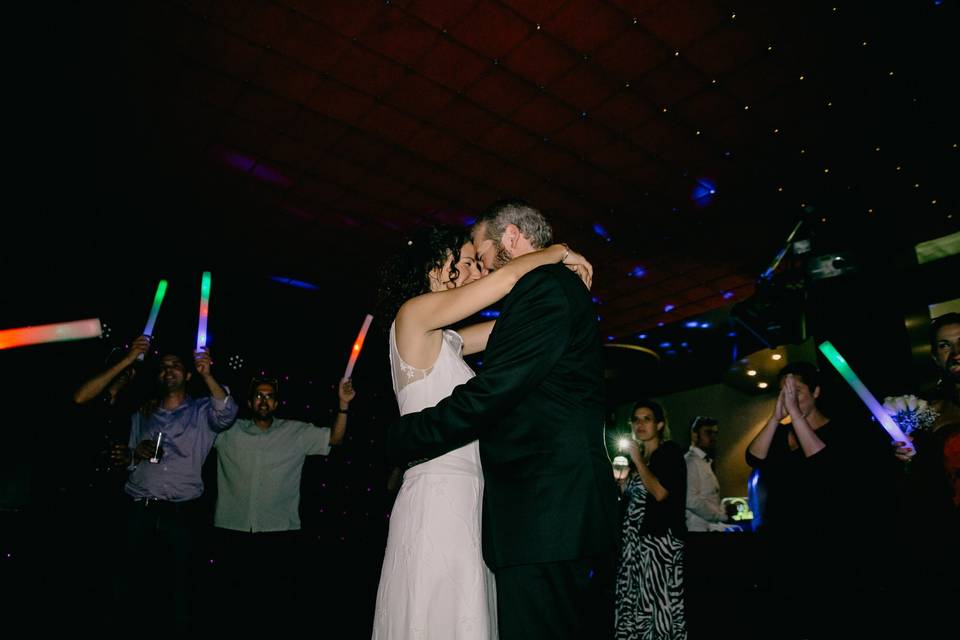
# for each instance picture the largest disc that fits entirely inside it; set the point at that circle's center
(342, 411)
(565, 253)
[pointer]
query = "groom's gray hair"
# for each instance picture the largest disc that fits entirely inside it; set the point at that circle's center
(532, 224)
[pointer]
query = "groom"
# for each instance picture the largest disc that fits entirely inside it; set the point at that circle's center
(537, 407)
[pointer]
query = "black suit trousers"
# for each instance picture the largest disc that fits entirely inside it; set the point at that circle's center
(556, 600)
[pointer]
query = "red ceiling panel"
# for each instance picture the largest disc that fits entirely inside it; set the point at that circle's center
(267, 109)
(366, 71)
(650, 174)
(618, 154)
(316, 129)
(631, 55)
(386, 189)
(217, 89)
(317, 191)
(418, 96)
(500, 91)
(407, 169)
(758, 80)
(587, 25)
(315, 44)
(540, 60)
(696, 294)
(452, 65)
(362, 148)
(707, 108)
(583, 87)
(511, 180)
(736, 131)
(491, 30)
(465, 120)
(637, 7)
(419, 204)
(535, 10)
(339, 102)
(680, 22)
(507, 140)
(288, 78)
(361, 207)
(671, 82)
(434, 145)
(607, 190)
(723, 51)
(544, 115)
(347, 17)
(549, 161)
(447, 188)
(480, 165)
(229, 53)
(264, 23)
(390, 124)
(686, 150)
(398, 36)
(335, 169)
(440, 13)
(583, 137)
(657, 134)
(297, 153)
(624, 112)
(248, 137)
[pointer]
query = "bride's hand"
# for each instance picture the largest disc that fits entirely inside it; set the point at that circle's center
(580, 266)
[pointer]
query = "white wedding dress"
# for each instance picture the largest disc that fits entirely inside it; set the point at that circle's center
(434, 583)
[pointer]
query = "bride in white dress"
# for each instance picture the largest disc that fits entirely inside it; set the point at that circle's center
(434, 583)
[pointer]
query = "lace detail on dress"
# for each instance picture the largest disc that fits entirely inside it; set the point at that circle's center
(404, 374)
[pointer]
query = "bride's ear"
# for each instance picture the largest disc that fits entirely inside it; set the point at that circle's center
(435, 282)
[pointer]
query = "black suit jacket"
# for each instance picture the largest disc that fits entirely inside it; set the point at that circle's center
(537, 407)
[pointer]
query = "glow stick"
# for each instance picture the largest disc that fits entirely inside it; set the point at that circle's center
(154, 311)
(355, 352)
(204, 311)
(59, 332)
(156, 453)
(838, 362)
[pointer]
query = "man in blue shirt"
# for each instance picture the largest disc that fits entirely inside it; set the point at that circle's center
(170, 439)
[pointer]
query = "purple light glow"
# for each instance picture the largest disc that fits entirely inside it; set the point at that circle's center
(270, 175)
(234, 159)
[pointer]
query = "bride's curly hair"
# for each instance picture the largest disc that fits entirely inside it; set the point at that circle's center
(406, 274)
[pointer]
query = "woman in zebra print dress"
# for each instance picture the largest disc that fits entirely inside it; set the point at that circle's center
(650, 574)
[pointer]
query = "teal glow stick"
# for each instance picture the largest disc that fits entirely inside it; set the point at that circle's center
(204, 311)
(838, 362)
(154, 311)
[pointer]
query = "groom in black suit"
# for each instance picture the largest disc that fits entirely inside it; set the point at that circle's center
(537, 407)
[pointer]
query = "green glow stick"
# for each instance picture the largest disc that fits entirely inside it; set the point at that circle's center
(838, 362)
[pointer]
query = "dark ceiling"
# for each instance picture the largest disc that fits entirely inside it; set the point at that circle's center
(303, 138)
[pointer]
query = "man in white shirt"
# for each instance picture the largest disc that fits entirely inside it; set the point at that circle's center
(259, 467)
(704, 511)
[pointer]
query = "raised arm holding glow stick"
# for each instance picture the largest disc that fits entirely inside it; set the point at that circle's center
(355, 352)
(840, 364)
(154, 311)
(204, 311)
(58, 332)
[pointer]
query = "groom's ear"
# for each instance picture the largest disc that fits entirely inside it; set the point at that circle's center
(511, 235)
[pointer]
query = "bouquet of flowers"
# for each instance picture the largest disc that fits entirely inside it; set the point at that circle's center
(910, 413)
